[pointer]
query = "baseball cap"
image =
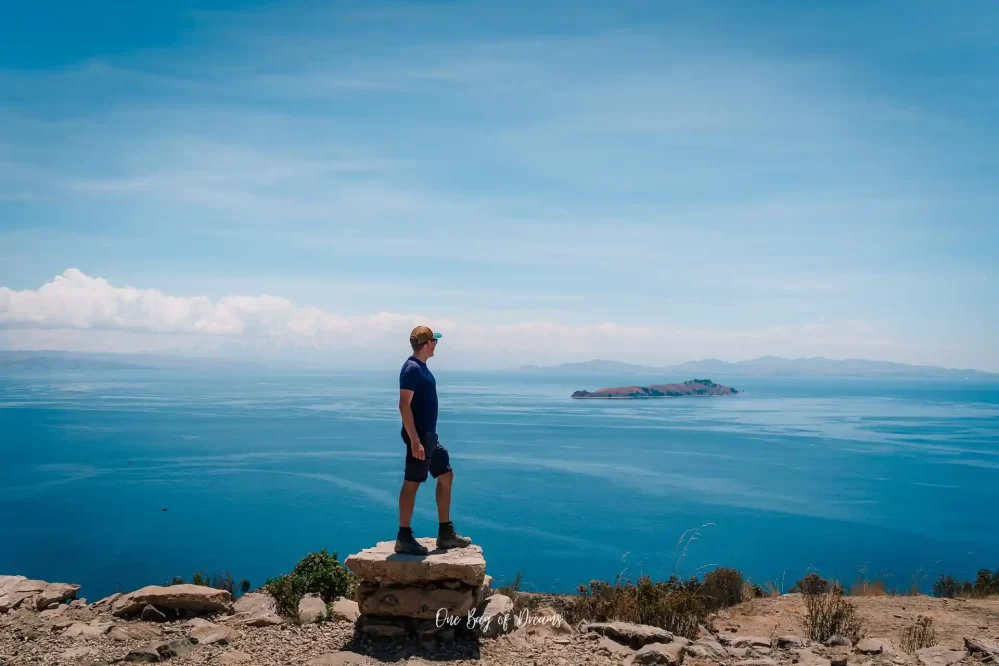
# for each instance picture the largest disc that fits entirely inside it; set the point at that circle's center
(423, 334)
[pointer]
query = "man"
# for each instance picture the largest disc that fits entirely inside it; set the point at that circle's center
(424, 452)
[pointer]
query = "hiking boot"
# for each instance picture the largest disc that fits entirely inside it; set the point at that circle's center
(448, 538)
(406, 544)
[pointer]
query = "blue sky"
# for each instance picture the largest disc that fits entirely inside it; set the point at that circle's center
(545, 182)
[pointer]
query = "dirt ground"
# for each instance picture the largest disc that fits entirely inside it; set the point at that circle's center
(884, 617)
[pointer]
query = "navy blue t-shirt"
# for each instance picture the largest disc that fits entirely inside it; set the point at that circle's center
(416, 377)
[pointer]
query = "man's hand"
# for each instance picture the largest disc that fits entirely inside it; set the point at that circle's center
(418, 451)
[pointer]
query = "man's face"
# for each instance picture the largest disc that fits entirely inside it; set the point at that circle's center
(431, 348)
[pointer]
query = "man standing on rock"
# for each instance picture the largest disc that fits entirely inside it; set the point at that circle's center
(424, 452)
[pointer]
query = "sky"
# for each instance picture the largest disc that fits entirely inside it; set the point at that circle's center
(650, 181)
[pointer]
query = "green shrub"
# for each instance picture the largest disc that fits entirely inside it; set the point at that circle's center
(986, 584)
(316, 573)
(918, 635)
(829, 614)
(812, 584)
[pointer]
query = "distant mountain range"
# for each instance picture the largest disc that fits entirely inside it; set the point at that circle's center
(73, 361)
(768, 366)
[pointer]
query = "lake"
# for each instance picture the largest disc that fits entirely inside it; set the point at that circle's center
(879, 478)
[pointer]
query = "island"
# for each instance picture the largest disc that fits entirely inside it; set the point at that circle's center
(692, 387)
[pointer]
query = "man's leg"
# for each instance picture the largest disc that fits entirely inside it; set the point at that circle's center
(407, 500)
(416, 473)
(443, 497)
(440, 467)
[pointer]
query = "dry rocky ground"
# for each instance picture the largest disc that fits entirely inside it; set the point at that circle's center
(755, 633)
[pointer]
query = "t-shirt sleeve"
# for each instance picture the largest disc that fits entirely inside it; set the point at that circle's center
(409, 378)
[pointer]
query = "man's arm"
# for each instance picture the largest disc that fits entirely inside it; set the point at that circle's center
(406, 409)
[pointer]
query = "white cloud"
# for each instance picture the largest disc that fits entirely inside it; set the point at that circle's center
(75, 300)
(78, 312)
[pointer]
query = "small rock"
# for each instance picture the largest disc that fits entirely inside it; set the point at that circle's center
(938, 655)
(749, 642)
(82, 630)
(493, 617)
(345, 609)
(983, 646)
(708, 648)
(342, 658)
(838, 660)
(232, 658)
(134, 631)
(789, 642)
(809, 658)
(213, 633)
(873, 646)
(632, 635)
(659, 653)
(162, 650)
(561, 640)
(152, 614)
(837, 640)
(78, 603)
(311, 609)
(82, 652)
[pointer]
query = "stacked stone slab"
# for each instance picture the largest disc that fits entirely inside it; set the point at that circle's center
(401, 595)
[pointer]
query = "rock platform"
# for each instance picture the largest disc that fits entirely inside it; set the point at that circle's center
(401, 595)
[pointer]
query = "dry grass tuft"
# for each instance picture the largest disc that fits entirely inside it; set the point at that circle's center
(918, 635)
(829, 614)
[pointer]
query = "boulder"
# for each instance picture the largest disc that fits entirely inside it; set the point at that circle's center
(191, 598)
(873, 646)
(608, 648)
(55, 593)
(152, 614)
(18, 590)
(255, 609)
(417, 601)
(382, 564)
(632, 635)
(345, 609)
(708, 648)
(311, 609)
(789, 642)
(983, 646)
(938, 655)
(161, 650)
(659, 653)
(134, 631)
(106, 603)
(494, 616)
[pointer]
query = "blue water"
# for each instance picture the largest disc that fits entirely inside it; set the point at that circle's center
(890, 479)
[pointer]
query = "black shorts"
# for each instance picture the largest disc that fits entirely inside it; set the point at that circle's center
(436, 461)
